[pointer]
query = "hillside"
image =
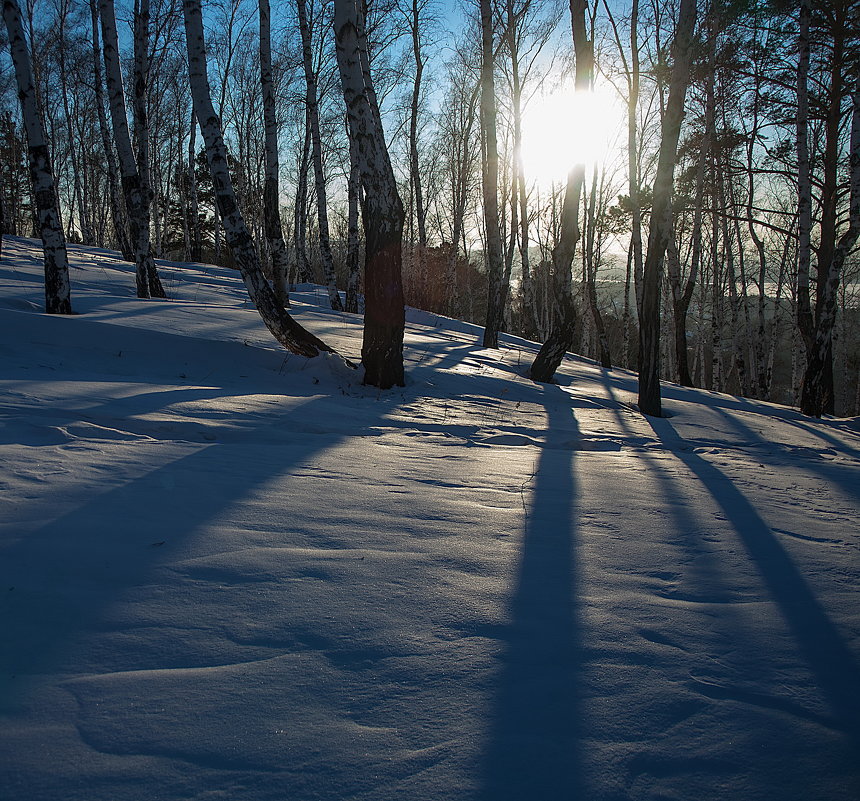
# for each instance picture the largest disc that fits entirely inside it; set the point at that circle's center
(231, 573)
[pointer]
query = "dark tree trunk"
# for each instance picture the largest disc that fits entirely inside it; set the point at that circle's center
(661, 214)
(382, 210)
(561, 334)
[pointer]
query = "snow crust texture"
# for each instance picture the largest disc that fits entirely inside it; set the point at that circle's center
(227, 572)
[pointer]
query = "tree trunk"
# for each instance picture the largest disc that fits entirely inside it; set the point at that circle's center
(382, 210)
(352, 247)
(414, 164)
(137, 204)
(271, 194)
(193, 204)
(141, 129)
(490, 183)
(817, 393)
(283, 327)
(300, 234)
(57, 289)
(563, 328)
(77, 189)
(661, 214)
(633, 157)
(312, 101)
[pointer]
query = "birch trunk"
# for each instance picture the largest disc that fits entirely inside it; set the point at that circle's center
(414, 165)
(352, 247)
(141, 129)
(817, 394)
(804, 180)
(283, 327)
(490, 182)
(312, 101)
(77, 187)
(137, 204)
(271, 194)
(683, 295)
(633, 157)
(303, 266)
(661, 214)
(563, 328)
(382, 209)
(57, 289)
(193, 204)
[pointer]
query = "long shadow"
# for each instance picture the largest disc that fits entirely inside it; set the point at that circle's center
(834, 666)
(845, 476)
(60, 580)
(534, 739)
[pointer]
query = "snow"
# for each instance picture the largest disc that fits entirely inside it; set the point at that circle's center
(227, 572)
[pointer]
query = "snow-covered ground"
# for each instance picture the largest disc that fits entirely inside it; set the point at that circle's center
(231, 573)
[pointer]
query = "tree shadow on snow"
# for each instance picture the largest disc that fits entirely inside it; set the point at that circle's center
(62, 581)
(831, 662)
(533, 745)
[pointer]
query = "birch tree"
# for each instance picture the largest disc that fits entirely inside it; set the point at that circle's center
(272, 215)
(382, 209)
(118, 216)
(136, 199)
(313, 118)
(561, 334)
(57, 288)
(818, 396)
(282, 326)
(490, 182)
(661, 213)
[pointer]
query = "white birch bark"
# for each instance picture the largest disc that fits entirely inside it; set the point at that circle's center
(57, 288)
(282, 326)
(138, 216)
(383, 215)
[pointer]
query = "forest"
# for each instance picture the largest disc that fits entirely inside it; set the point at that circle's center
(668, 187)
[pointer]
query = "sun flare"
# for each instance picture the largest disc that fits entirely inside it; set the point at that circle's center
(567, 128)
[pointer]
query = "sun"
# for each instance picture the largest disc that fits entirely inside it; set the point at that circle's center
(567, 128)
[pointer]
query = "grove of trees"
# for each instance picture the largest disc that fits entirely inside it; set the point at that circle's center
(379, 148)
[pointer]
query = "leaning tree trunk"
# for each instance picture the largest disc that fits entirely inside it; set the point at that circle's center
(57, 289)
(561, 334)
(382, 209)
(312, 101)
(283, 327)
(490, 183)
(136, 201)
(661, 214)
(271, 213)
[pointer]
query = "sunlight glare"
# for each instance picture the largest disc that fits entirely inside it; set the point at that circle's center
(566, 128)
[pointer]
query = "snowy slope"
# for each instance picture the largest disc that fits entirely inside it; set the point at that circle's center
(231, 573)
